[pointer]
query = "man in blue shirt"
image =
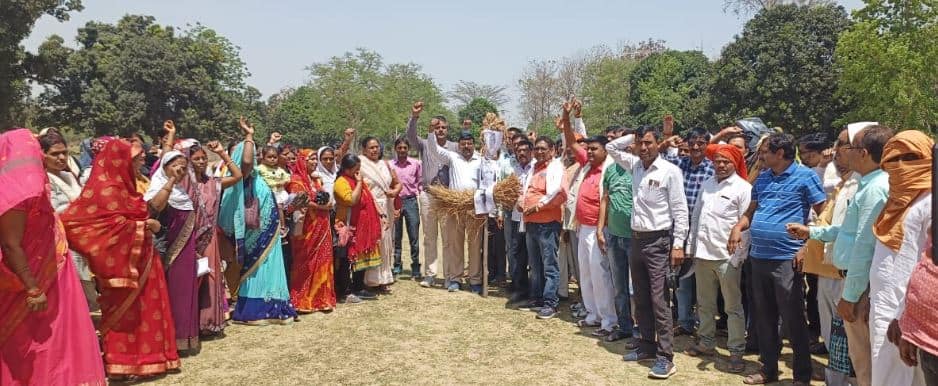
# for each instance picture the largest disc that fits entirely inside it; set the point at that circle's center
(784, 193)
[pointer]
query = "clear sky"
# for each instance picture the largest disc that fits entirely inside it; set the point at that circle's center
(484, 41)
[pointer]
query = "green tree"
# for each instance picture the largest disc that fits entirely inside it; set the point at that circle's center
(606, 91)
(18, 18)
(131, 76)
(356, 90)
(671, 82)
(476, 110)
(888, 58)
(782, 69)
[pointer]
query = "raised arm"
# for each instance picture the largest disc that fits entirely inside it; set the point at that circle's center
(412, 136)
(619, 151)
(348, 137)
(235, 171)
(247, 156)
(170, 137)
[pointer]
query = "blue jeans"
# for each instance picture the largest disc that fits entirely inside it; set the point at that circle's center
(617, 251)
(686, 297)
(541, 242)
(517, 259)
(411, 213)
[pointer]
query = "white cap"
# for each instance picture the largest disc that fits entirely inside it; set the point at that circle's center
(854, 128)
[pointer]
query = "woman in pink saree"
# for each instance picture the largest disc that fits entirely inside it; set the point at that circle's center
(46, 334)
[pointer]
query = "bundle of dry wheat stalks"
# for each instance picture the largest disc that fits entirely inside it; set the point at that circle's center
(460, 203)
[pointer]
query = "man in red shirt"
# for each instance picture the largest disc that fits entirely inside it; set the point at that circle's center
(596, 286)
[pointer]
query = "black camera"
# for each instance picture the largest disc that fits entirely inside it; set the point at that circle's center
(322, 198)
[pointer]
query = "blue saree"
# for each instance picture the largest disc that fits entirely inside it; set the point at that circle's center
(263, 295)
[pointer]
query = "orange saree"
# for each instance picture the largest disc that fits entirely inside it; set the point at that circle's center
(107, 224)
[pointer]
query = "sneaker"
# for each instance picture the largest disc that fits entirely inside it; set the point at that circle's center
(350, 299)
(396, 271)
(366, 295)
(637, 355)
(576, 306)
(547, 312)
(453, 287)
(532, 305)
(427, 282)
(476, 288)
(663, 369)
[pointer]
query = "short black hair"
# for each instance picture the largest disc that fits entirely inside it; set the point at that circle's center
(600, 139)
(815, 142)
(439, 117)
(645, 129)
(781, 141)
(515, 131)
(697, 132)
(874, 139)
(545, 139)
(611, 129)
(525, 142)
(401, 140)
(464, 136)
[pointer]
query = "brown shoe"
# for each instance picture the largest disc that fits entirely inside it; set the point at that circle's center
(699, 350)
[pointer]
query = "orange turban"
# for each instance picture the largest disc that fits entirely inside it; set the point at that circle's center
(907, 181)
(731, 152)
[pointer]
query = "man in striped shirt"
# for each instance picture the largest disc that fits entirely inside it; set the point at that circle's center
(784, 193)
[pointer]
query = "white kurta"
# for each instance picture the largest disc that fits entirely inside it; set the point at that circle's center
(889, 278)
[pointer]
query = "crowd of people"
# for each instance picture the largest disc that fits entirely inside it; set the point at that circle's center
(756, 237)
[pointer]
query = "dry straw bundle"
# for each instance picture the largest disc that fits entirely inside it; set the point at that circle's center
(460, 203)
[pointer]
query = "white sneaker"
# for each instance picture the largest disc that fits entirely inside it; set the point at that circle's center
(427, 282)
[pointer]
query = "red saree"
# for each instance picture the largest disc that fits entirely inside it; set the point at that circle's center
(107, 225)
(311, 285)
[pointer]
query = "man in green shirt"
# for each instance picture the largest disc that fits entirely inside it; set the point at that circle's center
(614, 235)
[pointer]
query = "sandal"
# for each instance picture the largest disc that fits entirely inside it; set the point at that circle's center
(584, 323)
(759, 379)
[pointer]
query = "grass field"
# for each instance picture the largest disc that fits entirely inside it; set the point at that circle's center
(430, 336)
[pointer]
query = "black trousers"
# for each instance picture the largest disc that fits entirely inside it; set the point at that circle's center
(778, 290)
(346, 281)
(497, 252)
(814, 317)
(649, 262)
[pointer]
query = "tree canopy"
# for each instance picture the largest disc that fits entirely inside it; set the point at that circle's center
(131, 76)
(18, 18)
(356, 90)
(671, 82)
(782, 69)
(888, 59)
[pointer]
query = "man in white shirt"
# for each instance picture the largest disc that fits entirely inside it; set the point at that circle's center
(722, 200)
(463, 175)
(434, 223)
(659, 202)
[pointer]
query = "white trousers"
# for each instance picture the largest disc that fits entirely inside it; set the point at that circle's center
(595, 280)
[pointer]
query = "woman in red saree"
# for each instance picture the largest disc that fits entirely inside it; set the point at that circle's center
(46, 336)
(109, 225)
(311, 284)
